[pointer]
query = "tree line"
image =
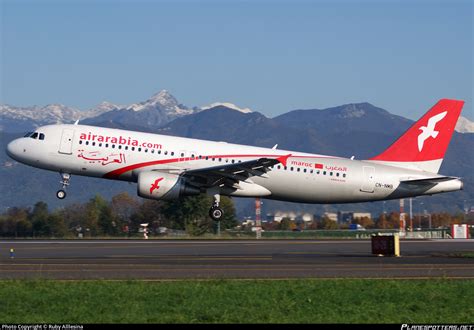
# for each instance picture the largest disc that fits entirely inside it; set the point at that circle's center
(121, 216)
(389, 220)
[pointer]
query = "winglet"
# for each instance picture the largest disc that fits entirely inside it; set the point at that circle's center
(283, 159)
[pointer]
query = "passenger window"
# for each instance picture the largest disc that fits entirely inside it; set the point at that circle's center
(80, 141)
(139, 149)
(172, 153)
(133, 148)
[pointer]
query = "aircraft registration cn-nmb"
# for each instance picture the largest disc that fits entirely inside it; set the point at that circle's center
(168, 167)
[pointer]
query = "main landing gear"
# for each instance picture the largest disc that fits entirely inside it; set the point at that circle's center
(215, 212)
(61, 194)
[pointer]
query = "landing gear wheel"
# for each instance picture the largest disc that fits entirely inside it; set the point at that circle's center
(216, 213)
(65, 178)
(61, 194)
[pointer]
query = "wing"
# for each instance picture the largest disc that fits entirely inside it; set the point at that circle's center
(229, 175)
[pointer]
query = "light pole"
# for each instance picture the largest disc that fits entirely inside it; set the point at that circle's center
(422, 211)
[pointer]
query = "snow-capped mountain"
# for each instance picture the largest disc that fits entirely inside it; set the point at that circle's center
(158, 110)
(14, 118)
(161, 108)
(227, 105)
(464, 125)
(163, 100)
(52, 113)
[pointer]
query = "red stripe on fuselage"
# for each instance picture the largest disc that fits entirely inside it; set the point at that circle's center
(116, 173)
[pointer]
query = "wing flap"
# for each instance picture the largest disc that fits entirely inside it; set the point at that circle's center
(230, 174)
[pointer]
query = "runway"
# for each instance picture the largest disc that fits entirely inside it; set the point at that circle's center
(236, 259)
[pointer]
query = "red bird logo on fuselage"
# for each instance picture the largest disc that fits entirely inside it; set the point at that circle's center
(155, 185)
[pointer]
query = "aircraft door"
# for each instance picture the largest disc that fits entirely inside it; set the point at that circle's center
(368, 183)
(65, 147)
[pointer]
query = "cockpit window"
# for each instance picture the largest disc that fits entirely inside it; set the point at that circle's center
(28, 134)
(34, 135)
(41, 137)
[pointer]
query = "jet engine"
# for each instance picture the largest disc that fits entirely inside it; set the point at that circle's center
(166, 186)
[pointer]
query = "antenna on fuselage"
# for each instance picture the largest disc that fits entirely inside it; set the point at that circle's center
(275, 146)
(352, 158)
(76, 122)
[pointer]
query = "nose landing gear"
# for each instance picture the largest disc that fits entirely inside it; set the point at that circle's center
(61, 194)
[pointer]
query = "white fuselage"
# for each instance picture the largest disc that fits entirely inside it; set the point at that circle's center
(309, 178)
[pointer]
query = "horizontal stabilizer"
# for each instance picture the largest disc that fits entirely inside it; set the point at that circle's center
(428, 181)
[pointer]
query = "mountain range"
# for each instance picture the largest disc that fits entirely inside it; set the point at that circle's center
(359, 129)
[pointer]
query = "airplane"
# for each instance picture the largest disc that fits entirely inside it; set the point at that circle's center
(169, 167)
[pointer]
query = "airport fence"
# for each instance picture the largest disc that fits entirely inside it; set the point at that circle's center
(340, 234)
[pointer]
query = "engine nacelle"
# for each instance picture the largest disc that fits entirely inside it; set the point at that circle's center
(160, 185)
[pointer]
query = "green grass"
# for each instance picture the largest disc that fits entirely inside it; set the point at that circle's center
(233, 301)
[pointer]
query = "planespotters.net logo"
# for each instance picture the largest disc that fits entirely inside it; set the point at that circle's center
(437, 327)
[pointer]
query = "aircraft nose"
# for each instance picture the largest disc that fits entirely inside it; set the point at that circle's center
(12, 149)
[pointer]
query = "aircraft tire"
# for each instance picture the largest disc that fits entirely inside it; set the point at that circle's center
(61, 194)
(216, 213)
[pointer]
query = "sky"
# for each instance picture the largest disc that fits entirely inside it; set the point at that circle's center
(270, 56)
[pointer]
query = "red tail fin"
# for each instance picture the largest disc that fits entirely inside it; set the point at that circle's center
(427, 140)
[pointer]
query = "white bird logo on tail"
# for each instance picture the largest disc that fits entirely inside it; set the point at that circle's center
(429, 130)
